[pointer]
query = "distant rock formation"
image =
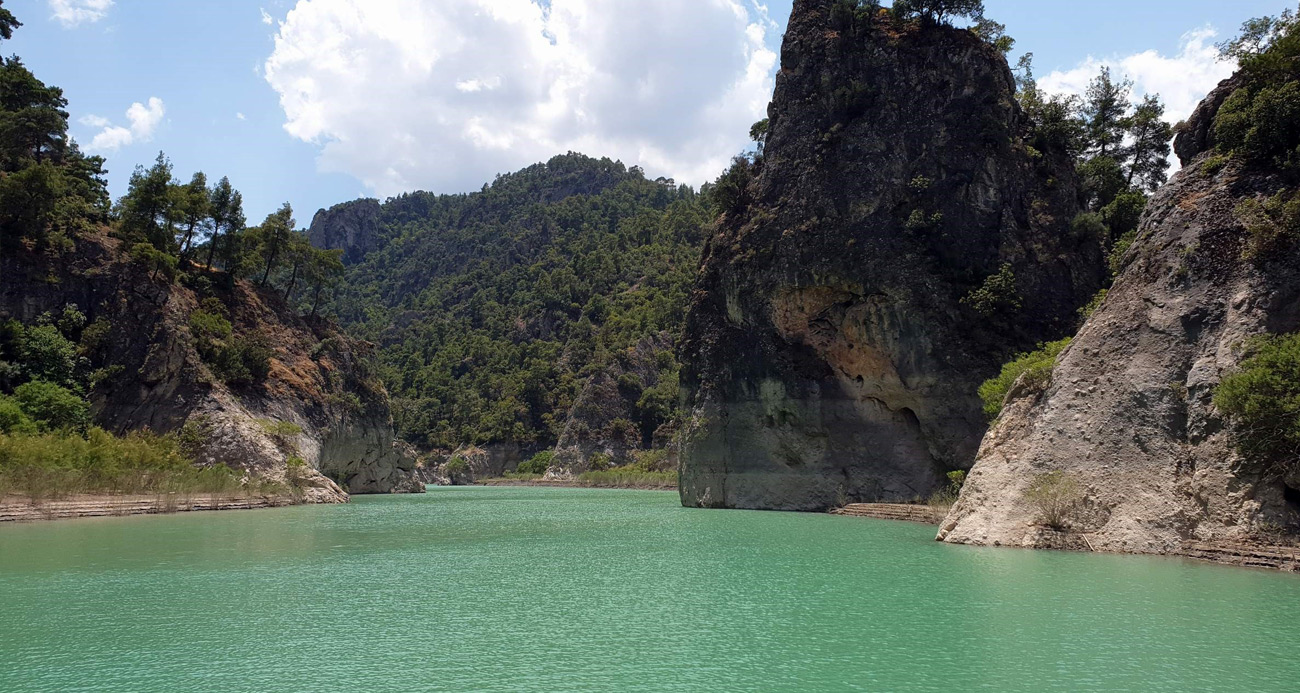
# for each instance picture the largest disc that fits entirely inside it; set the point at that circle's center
(319, 402)
(898, 241)
(352, 227)
(1128, 416)
(605, 421)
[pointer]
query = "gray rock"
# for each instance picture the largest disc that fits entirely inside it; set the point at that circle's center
(1129, 412)
(827, 354)
(352, 227)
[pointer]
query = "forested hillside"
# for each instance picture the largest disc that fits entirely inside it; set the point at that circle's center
(491, 309)
(153, 346)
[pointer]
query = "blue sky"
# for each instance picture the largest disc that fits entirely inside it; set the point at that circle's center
(375, 97)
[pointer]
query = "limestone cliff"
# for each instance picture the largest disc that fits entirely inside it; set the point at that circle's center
(1128, 415)
(352, 227)
(838, 331)
(318, 401)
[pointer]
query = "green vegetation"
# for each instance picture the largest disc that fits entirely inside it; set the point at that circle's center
(997, 294)
(492, 309)
(628, 478)
(537, 464)
(1121, 149)
(1087, 311)
(49, 190)
(1272, 226)
(456, 466)
(1056, 495)
(1263, 400)
(946, 496)
(53, 465)
(1259, 121)
(1035, 366)
(1121, 152)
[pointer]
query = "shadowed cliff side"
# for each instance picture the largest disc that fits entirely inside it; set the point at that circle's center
(896, 240)
(1129, 420)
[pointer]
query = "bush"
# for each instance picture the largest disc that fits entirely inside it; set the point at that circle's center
(1087, 311)
(1271, 226)
(1213, 164)
(45, 354)
(13, 420)
(456, 466)
(537, 464)
(54, 465)
(1261, 120)
(946, 496)
(1263, 400)
(51, 407)
(1036, 366)
(599, 462)
(997, 294)
(626, 478)
(1056, 496)
(1120, 249)
(652, 461)
(243, 361)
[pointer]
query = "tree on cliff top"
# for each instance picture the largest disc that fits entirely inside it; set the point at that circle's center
(940, 10)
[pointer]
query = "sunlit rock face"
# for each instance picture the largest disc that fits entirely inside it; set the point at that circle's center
(1129, 414)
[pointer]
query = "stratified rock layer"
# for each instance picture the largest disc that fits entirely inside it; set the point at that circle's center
(1129, 414)
(828, 355)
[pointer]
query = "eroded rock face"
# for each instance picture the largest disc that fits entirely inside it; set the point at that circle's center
(828, 354)
(352, 227)
(319, 402)
(1129, 415)
(604, 420)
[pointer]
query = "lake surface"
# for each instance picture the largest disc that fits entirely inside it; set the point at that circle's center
(537, 589)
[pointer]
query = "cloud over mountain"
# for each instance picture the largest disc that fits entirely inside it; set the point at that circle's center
(407, 94)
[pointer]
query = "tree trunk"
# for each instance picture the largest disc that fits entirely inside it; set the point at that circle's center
(212, 246)
(293, 281)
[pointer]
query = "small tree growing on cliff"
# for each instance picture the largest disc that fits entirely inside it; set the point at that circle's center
(1056, 495)
(939, 10)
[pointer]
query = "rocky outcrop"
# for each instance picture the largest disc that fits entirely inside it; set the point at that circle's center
(605, 421)
(319, 405)
(838, 333)
(1128, 417)
(468, 464)
(352, 227)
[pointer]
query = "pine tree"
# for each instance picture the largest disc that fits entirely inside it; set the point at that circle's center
(147, 209)
(226, 208)
(194, 208)
(274, 238)
(7, 23)
(1148, 155)
(1105, 105)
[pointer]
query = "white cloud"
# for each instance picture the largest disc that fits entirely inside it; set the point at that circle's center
(1181, 81)
(143, 119)
(407, 94)
(266, 17)
(70, 13)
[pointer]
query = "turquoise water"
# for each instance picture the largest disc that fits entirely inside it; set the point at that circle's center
(534, 589)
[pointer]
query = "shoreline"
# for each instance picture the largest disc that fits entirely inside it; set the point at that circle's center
(1239, 554)
(16, 509)
(574, 483)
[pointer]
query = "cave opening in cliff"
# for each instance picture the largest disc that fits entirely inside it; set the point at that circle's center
(1292, 497)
